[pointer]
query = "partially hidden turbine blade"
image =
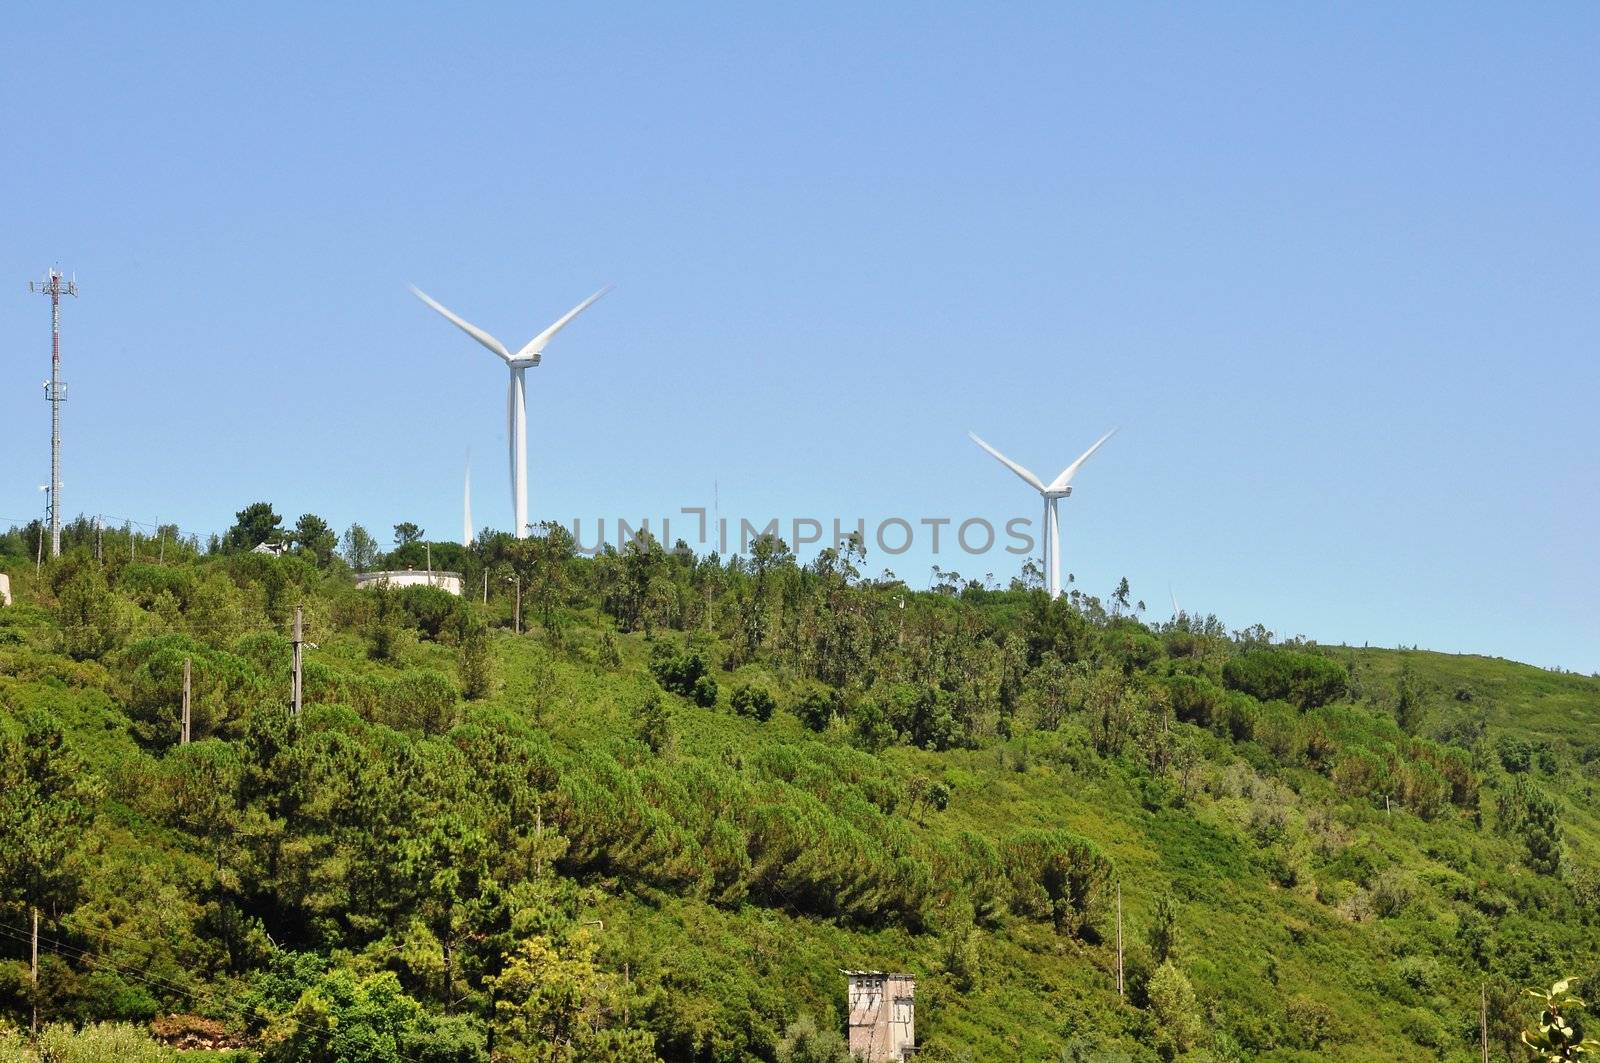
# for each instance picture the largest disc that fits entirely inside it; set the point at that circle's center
(536, 345)
(466, 505)
(465, 326)
(1029, 478)
(1061, 482)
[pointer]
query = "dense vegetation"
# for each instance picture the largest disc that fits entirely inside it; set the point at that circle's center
(657, 822)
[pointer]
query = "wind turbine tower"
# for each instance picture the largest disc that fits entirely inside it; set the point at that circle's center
(516, 395)
(1053, 493)
(55, 393)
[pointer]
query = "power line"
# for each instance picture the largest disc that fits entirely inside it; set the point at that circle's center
(73, 952)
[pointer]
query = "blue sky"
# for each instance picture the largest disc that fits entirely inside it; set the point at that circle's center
(1331, 271)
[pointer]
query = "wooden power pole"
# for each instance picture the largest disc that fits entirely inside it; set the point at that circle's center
(1119, 938)
(33, 979)
(186, 666)
(296, 689)
(519, 604)
(1483, 1019)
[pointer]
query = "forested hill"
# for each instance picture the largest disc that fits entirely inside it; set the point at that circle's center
(656, 816)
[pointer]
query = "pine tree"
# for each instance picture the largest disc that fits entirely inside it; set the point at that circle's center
(1163, 936)
(475, 662)
(653, 722)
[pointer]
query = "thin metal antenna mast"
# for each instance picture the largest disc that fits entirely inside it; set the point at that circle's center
(55, 393)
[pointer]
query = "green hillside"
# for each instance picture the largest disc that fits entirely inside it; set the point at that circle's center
(659, 820)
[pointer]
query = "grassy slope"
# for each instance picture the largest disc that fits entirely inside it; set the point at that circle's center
(1249, 944)
(1562, 708)
(1241, 932)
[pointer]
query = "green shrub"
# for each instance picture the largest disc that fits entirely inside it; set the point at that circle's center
(1056, 876)
(653, 722)
(805, 1042)
(430, 608)
(683, 673)
(1392, 891)
(99, 1043)
(1419, 972)
(1195, 700)
(107, 995)
(752, 701)
(1309, 1023)
(90, 614)
(818, 708)
(1423, 1027)
(1237, 716)
(1306, 680)
(474, 656)
(420, 700)
(1176, 1010)
(704, 693)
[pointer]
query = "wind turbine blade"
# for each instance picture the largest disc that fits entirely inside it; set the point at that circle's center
(1072, 470)
(465, 326)
(1029, 478)
(537, 344)
(466, 505)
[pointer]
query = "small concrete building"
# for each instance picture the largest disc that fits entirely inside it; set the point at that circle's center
(883, 1017)
(5, 589)
(450, 582)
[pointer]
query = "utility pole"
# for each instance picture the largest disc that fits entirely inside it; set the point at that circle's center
(519, 604)
(486, 585)
(55, 393)
(33, 978)
(296, 689)
(1483, 1019)
(1119, 937)
(185, 739)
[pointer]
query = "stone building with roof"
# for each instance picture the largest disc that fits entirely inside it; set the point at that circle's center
(883, 1027)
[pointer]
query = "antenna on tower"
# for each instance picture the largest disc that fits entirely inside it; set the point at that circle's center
(55, 392)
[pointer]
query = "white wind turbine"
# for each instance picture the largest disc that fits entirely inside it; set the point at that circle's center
(1053, 493)
(516, 396)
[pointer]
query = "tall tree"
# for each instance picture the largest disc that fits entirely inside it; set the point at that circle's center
(253, 525)
(542, 561)
(475, 660)
(312, 534)
(91, 623)
(47, 799)
(1163, 934)
(360, 548)
(554, 1004)
(406, 533)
